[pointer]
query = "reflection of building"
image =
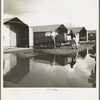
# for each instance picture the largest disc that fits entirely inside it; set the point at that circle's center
(57, 59)
(85, 52)
(15, 68)
(64, 60)
(82, 54)
(17, 34)
(44, 57)
(10, 61)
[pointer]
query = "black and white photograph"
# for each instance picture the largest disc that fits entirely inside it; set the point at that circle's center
(50, 44)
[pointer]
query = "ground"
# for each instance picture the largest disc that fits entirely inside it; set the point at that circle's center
(30, 52)
(35, 74)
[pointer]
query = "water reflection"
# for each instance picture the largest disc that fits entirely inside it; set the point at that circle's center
(92, 77)
(61, 59)
(64, 60)
(15, 68)
(45, 70)
(83, 53)
(9, 62)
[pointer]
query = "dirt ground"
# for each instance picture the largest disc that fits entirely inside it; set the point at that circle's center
(63, 50)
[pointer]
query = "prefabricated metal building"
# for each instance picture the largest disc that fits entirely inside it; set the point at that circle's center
(17, 34)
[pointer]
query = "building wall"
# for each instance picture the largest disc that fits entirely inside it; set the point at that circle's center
(16, 36)
(6, 35)
(11, 36)
(61, 38)
(31, 37)
(94, 36)
(39, 35)
(83, 35)
(41, 38)
(62, 34)
(25, 37)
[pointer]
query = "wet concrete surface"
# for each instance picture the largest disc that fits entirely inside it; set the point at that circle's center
(50, 70)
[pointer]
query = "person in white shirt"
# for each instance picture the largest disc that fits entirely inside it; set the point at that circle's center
(77, 39)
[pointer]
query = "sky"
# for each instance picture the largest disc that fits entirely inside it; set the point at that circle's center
(72, 13)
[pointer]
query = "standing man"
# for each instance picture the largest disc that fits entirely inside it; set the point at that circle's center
(73, 42)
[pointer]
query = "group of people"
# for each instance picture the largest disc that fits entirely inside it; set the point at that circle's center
(74, 39)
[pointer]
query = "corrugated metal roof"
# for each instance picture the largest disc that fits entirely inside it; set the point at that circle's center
(46, 28)
(91, 31)
(76, 29)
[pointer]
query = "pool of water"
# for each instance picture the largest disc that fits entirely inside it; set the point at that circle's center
(46, 70)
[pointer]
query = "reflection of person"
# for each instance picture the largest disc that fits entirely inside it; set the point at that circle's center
(73, 60)
(72, 38)
(52, 62)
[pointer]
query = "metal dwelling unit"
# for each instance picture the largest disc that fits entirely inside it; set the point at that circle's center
(43, 34)
(17, 34)
(81, 31)
(91, 32)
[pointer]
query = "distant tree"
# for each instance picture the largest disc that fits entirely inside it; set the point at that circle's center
(68, 25)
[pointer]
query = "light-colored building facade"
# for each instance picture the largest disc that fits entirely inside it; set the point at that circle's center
(17, 34)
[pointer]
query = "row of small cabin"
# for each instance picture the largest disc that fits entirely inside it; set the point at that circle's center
(18, 34)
